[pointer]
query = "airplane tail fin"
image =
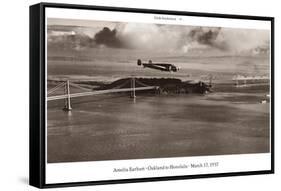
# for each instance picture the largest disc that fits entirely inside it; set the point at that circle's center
(139, 62)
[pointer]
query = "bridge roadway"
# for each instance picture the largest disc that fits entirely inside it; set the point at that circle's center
(64, 96)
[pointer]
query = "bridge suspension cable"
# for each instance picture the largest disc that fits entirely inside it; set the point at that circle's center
(55, 88)
(73, 95)
(141, 83)
(67, 95)
(79, 87)
(121, 85)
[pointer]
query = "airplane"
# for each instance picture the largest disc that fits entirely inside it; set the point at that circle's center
(159, 66)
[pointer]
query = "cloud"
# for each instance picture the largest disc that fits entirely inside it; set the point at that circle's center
(240, 40)
(149, 36)
(66, 40)
(137, 36)
(109, 38)
(155, 37)
(209, 37)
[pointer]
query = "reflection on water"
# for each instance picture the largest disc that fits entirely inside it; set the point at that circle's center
(112, 127)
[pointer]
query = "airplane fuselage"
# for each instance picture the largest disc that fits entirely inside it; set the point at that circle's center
(159, 66)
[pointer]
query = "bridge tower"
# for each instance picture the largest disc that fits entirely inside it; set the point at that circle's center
(133, 87)
(236, 82)
(211, 80)
(67, 103)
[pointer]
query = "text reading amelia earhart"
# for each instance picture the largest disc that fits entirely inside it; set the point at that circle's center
(167, 167)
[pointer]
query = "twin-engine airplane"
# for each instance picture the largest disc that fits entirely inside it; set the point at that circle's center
(159, 66)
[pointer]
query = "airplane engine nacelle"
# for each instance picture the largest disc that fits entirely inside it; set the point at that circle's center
(139, 62)
(170, 68)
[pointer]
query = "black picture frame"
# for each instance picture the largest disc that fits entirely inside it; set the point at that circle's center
(37, 168)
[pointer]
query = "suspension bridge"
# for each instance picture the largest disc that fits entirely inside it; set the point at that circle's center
(89, 92)
(247, 81)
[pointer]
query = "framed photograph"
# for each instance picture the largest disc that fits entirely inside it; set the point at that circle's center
(122, 95)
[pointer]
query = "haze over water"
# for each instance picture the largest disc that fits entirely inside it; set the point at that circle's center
(111, 127)
(229, 120)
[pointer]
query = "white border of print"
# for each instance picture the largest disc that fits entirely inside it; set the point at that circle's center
(146, 168)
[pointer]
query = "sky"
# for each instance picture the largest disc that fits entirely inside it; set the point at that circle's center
(178, 39)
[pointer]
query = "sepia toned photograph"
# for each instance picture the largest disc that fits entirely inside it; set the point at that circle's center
(129, 90)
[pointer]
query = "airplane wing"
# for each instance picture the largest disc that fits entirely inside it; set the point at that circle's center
(163, 65)
(155, 66)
